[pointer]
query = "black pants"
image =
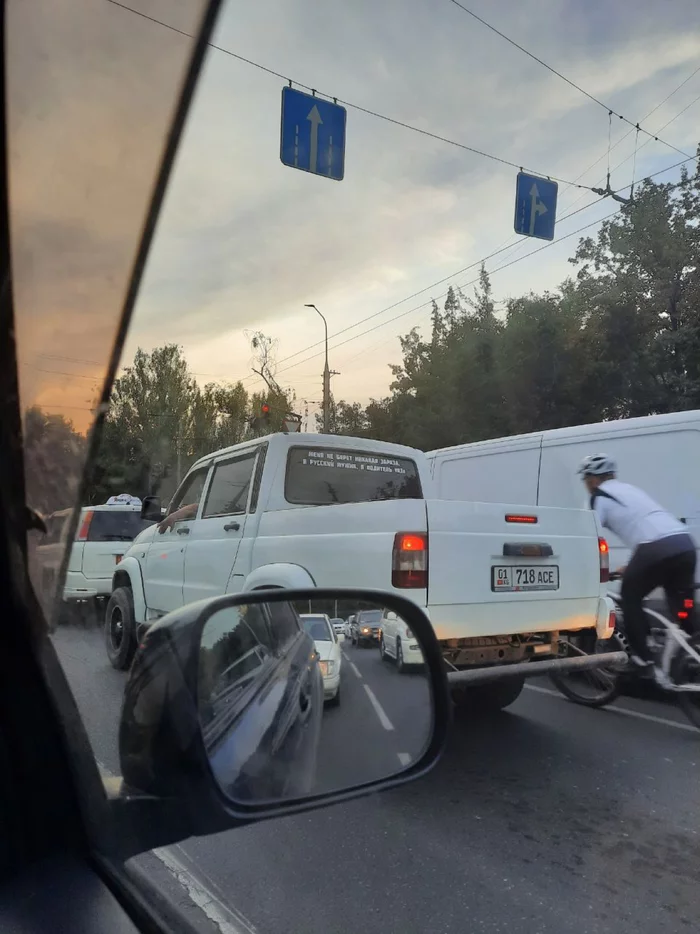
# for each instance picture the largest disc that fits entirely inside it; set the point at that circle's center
(651, 567)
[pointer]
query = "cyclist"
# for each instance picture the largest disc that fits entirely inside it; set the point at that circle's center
(663, 553)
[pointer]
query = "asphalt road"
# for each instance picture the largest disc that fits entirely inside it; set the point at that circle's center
(546, 819)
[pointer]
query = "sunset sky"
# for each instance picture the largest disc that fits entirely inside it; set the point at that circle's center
(244, 242)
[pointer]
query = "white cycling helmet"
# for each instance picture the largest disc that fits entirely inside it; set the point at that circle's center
(597, 465)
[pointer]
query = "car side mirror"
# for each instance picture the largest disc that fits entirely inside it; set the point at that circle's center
(151, 509)
(223, 711)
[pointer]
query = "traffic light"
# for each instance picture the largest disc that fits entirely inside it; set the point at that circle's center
(261, 421)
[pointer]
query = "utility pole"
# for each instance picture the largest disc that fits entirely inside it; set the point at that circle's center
(326, 377)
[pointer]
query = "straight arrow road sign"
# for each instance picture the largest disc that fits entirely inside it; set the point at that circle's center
(312, 136)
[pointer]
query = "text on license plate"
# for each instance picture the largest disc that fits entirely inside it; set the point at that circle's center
(520, 577)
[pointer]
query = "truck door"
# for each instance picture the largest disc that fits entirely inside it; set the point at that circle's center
(216, 535)
(165, 561)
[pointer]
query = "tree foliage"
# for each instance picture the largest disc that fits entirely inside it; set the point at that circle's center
(161, 421)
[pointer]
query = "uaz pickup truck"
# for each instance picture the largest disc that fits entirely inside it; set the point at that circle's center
(501, 584)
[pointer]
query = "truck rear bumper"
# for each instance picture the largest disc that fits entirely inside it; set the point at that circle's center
(536, 669)
(519, 616)
(79, 587)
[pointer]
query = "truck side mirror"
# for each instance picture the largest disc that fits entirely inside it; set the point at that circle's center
(151, 509)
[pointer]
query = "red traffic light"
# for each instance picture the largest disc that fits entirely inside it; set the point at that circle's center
(265, 408)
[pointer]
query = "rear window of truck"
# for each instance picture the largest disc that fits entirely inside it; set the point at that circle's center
(118, 526)
(323, 476)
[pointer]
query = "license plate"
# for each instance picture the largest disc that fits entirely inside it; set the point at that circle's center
(522, 577)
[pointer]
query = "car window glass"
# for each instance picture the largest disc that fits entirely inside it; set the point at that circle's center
(54, 527)
(318, 629)
(230, 655)
(319, 476)
(228, 491)
(191, 490)
(117, 526)
(284, 623)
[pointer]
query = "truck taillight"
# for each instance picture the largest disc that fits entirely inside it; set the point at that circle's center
(85, 526)
(409, 560)
(604, 553)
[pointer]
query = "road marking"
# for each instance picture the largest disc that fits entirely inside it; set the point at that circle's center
(355, 669)
(404, 758)
(378, 709)
(625, 711)
(226, 919)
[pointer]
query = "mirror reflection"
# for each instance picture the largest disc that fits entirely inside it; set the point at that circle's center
(298, 699)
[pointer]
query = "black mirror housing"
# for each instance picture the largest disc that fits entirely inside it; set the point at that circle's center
(151, 509)
(161, 743)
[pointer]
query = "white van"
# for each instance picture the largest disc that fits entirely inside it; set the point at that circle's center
(659, 453)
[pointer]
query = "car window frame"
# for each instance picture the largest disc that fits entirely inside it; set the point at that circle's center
(176, 503)
(206, 493)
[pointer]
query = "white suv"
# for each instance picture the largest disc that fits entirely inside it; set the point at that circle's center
(398, 642)
(103, 534)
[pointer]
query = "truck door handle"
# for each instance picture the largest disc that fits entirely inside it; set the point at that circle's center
(183, 530)
(232, 527)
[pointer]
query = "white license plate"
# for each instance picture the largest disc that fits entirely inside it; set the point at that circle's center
(521, 577)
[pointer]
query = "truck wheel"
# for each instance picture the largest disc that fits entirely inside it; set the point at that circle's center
(120, 638)
(488, 698)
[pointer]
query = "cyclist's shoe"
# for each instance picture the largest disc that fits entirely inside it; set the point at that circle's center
(662, 680)
(639, 666)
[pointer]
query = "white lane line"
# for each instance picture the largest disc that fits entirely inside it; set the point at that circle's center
(625, 711)
(216, 911)
(378, 709)
(226, 919)
(355, 669)
(404, 758)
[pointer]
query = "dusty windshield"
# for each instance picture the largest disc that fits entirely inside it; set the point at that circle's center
(469, 230)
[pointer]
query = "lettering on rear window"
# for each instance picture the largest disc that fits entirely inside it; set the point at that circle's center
(322, 476)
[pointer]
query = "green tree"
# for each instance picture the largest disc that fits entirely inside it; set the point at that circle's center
(54, 456)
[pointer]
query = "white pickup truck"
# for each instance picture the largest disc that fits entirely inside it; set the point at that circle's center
(499, 583)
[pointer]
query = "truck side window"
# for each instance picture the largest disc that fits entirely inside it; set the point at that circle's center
(228, 493)
(191, 489)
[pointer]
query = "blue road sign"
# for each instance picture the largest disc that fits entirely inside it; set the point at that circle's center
(535, 206)
(313, 134)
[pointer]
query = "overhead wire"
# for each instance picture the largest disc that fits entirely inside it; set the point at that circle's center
(438, 137)
(563, 77)
(514, 164)
(423, 305)
(474, 281)
(446, 279)
(517, 243)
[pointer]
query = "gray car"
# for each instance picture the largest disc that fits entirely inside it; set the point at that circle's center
(366, 628)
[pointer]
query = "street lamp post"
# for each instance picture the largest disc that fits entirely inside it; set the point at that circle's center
(326, 378)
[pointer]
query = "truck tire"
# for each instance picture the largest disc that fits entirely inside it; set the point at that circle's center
(488, 698)
(120, 630)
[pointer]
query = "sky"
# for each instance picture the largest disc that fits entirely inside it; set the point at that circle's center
(244, 242)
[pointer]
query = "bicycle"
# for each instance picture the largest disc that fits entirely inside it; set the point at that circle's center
(674, 651)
